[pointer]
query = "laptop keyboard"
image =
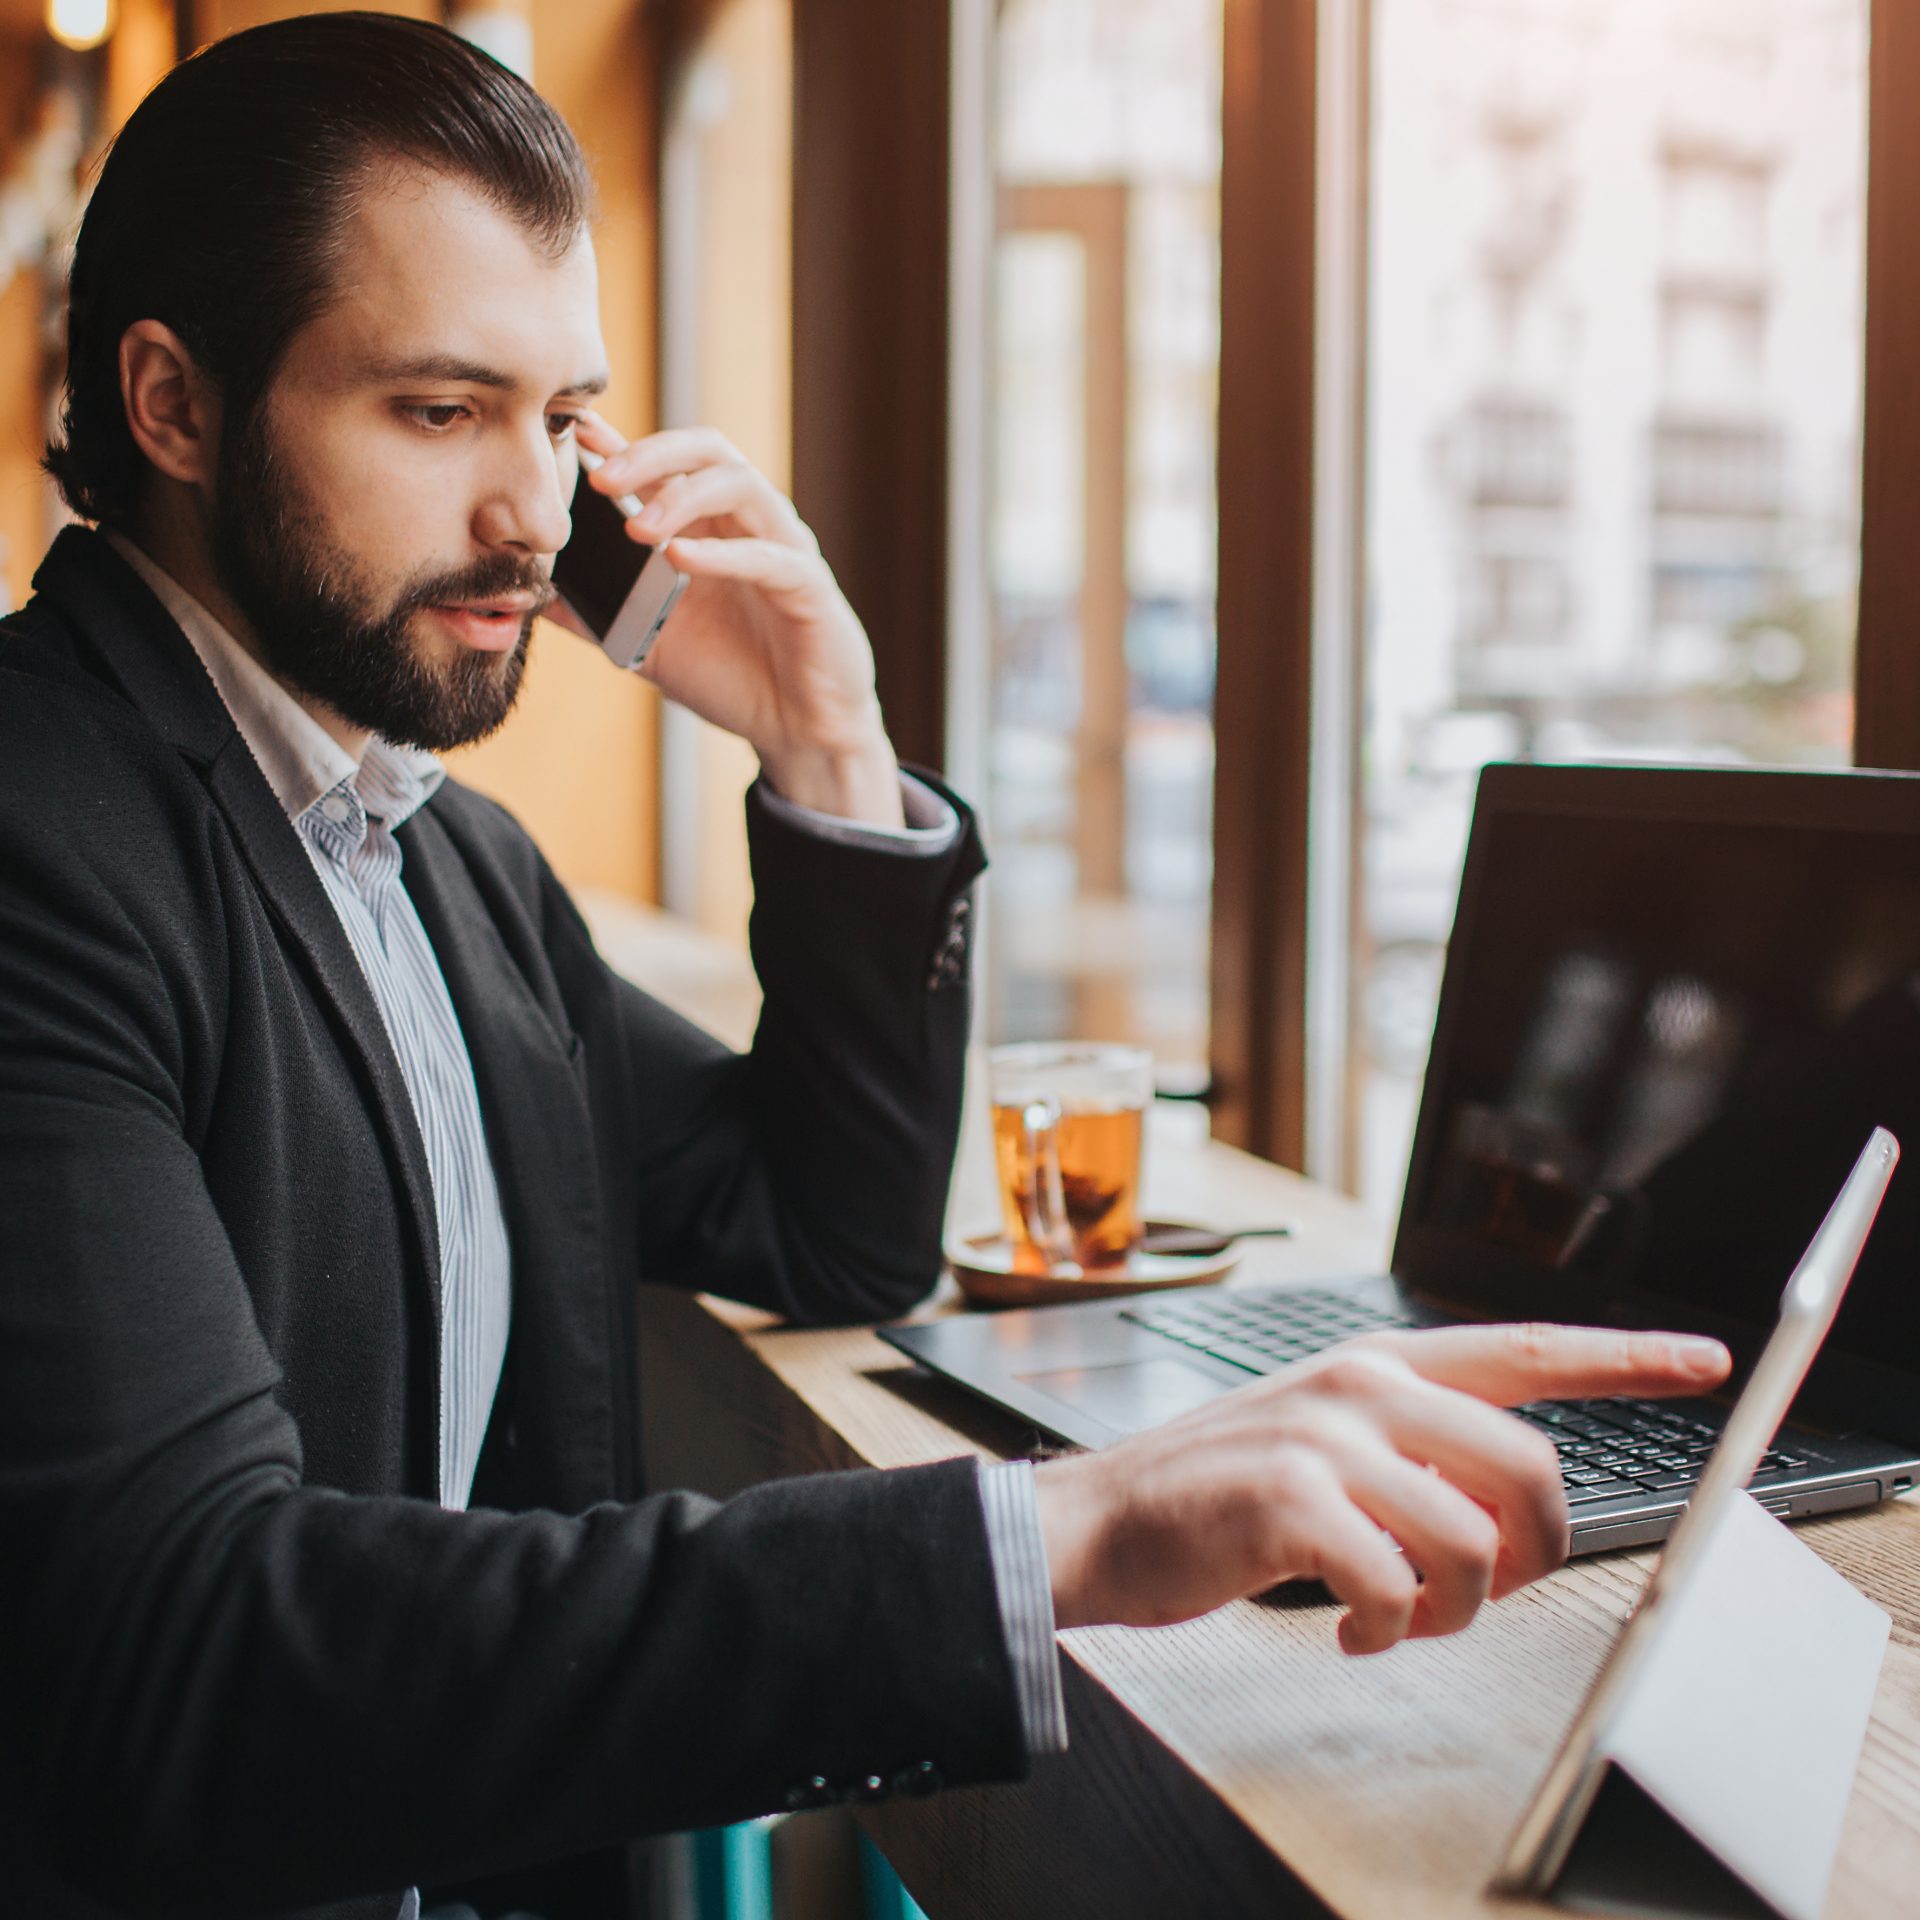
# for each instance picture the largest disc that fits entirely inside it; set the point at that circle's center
(1607, 1448)
(1611, 1447)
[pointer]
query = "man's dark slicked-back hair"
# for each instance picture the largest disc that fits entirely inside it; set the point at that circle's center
(219, 209)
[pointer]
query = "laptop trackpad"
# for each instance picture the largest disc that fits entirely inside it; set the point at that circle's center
(1132, 1396)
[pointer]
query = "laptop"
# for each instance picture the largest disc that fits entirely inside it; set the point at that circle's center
(1676, 1002)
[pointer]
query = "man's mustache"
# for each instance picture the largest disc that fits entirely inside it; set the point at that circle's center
(488, 579)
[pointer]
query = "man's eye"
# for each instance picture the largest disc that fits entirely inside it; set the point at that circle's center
(559, 425)
(436, 415)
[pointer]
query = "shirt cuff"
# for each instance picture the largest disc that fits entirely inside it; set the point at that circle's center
(932, 825)
(1025, 1589)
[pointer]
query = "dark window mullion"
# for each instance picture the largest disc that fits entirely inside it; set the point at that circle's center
(1887, 656)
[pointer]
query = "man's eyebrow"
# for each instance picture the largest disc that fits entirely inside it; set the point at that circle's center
(433, 367)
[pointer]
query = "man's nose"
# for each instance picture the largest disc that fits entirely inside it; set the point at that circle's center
(527, 504)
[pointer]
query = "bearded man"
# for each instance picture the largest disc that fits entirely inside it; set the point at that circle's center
(331, 1152)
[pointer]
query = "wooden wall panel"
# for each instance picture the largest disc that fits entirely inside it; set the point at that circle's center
(579, 760)
(215, 19)
(870, 227)
(727, 116)
(140, 52)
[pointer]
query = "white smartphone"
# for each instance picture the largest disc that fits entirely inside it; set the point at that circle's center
(620, 590)
(1540, 1847)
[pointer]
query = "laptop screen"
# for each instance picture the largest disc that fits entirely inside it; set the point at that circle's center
(1676, 1004)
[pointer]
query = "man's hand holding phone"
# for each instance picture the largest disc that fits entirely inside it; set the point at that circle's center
(762, 643)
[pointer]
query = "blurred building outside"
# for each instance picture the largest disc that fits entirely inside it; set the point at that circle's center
(1104, 368)
(1617, 282)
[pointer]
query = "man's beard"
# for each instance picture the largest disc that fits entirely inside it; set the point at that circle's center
(320, 627)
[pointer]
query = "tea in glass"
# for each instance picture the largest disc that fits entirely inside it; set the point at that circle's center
(1068, 1126)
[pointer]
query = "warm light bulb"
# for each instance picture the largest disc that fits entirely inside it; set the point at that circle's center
(80, 24)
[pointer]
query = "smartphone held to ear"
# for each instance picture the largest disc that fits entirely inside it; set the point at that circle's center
(620, 590)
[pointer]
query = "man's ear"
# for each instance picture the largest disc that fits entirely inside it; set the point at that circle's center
(173, 409)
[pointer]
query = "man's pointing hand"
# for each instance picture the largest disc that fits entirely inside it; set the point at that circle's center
(1382, 1467)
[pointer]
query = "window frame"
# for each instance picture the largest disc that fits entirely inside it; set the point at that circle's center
(872, 346)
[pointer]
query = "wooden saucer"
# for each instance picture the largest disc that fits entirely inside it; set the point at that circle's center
(982, 1265)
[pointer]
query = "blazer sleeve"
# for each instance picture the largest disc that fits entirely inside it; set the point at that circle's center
(810, 1175)
(225, 1689)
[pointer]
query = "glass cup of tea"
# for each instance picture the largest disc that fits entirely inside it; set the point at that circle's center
(1068, 1119)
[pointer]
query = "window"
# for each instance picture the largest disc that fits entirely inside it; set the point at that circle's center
(1103, 376)
(1614, 419)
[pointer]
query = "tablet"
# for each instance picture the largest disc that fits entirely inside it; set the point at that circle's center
(1539, 1848)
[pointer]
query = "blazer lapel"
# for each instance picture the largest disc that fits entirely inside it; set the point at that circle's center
(133, 641)
(540, 1135)
(270, 844)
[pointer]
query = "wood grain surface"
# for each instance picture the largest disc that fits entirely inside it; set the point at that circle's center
(1241, 1763)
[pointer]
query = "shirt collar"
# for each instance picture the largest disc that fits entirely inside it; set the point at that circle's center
(302, 761)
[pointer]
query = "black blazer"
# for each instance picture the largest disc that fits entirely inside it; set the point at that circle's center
(246, 1663)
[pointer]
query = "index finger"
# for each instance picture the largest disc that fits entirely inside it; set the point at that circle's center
(654, 457)
(1512, 1365)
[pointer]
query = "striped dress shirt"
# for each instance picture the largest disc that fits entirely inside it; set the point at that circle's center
(348, 832)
